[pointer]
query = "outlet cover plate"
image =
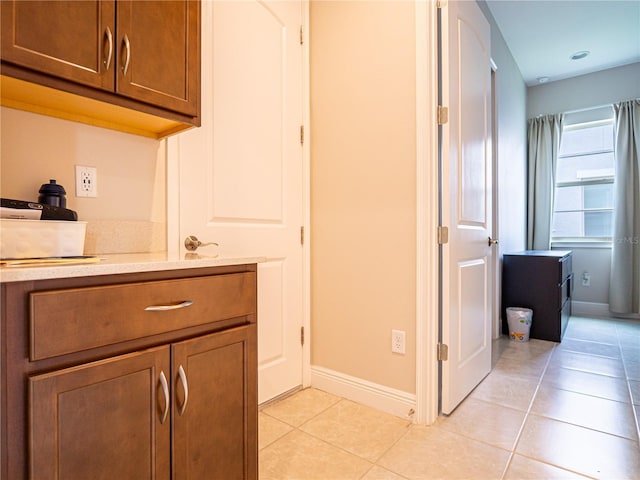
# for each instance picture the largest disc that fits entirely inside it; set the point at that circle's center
(86, 181)
(398, 341)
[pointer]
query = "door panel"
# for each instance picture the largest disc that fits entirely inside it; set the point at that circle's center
(241, 173)
(467, 201)
(472, 125)
(471, 301)
(251, 134)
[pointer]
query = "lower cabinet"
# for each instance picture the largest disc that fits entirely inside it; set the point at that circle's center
(168, 392)
(118, 418)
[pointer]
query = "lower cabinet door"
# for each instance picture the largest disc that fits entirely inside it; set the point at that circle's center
(104, 420)
(215, 406)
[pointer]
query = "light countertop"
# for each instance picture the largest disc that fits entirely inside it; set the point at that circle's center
(122, 263)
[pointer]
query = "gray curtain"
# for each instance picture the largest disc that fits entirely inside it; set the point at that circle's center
(543, 134)
(624, 289)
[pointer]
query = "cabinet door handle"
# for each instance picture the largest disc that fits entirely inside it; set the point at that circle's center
(173, 306)
(185, 387)
(107, 61)
(165, 391)
(127, 47)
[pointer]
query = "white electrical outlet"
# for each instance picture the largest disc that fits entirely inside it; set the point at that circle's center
(397, 341)
(586, 279)
(86, 181)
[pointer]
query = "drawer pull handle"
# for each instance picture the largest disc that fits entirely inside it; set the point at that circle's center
(185, 387)
(165, 391)
(174, 306)
(127, 46)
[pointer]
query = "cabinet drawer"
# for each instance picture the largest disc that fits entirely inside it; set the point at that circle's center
(71, 320)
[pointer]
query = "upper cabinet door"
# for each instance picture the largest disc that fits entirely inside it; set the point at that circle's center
(158, 51)
(74, 40)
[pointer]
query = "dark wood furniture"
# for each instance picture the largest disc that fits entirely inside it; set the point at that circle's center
(134, 376)
(542, 281)
(142, 56)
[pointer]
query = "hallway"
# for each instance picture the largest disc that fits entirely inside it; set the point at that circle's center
(546, 411)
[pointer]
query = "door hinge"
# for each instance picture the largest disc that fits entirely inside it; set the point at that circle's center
(443, 352)
(443, 115)
(302, 336)
(301, 134)
(302, 235)
(301, 34)
(443, 235)
(441, 3)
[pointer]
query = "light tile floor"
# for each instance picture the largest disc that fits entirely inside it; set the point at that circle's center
(546, 411)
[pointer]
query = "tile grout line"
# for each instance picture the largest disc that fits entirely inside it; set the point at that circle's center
(528, 412)
(555, 348)
(297, 428)
(625, 378)
(375, 464)
(634, 411)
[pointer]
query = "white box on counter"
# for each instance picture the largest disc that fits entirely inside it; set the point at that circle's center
(41, 238)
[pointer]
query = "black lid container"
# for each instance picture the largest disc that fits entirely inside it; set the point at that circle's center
(52, 194)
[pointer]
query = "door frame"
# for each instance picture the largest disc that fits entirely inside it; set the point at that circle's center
(174, 242)
(428, 207)
(306, 200)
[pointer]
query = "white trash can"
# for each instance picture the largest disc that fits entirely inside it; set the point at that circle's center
(519, 320)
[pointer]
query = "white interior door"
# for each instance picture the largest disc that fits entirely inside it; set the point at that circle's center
(467, 201)
(241, 172)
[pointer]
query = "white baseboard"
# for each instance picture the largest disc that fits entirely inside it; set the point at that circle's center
(590, 309)
(600, 310)
(386, 399)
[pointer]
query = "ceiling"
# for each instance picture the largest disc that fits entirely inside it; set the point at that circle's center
(543, 34)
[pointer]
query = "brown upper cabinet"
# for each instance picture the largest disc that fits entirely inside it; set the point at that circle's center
(139, 55)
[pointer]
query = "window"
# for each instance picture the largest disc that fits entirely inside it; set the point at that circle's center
(584, 183)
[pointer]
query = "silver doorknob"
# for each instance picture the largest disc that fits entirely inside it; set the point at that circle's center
(492, 241)
(191, 243)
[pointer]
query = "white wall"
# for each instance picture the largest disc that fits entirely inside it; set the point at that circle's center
(511, 96)
(597, 262)
(129, 213)
(586, 91)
